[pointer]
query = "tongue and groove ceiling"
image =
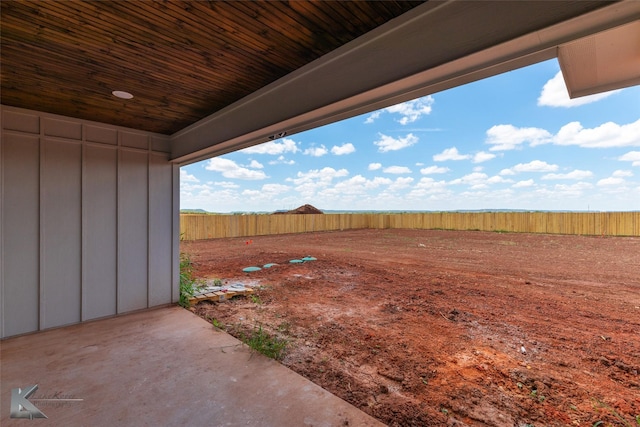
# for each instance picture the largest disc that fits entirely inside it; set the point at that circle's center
(181, 60)
(223, 75)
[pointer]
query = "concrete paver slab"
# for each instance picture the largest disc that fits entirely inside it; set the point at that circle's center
(160, 367)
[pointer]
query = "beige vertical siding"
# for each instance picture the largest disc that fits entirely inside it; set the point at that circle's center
(88, 221)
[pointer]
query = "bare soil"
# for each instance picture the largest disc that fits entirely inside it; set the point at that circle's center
(447, 328)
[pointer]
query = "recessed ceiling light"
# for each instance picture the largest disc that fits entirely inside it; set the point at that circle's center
(122, 94)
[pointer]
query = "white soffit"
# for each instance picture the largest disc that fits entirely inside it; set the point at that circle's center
(602, 62)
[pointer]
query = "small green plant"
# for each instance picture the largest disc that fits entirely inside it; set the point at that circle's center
(260, 341)
(255, 299)
(216, 323)
(638, 419)
(187, 280)
(217, 282)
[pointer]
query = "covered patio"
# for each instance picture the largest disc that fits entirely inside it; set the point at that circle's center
(103, 101)
(164, 366)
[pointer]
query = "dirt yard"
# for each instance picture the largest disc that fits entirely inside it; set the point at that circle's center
(447, 328)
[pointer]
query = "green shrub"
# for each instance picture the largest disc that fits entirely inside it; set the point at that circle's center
(187, 280)
(260, 341)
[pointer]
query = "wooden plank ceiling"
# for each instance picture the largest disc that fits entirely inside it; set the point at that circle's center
(182, 60)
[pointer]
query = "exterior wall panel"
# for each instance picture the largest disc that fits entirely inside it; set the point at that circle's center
(132, 231)
(160, 218)
(100, 232)
(60, 234)
(88, 221)
(20, 268)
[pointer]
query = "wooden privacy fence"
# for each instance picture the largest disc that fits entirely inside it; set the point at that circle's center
(197, 227)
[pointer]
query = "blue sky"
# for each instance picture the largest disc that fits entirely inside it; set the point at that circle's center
(513, 141)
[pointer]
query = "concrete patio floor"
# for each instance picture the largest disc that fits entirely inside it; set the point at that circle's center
(162, 367)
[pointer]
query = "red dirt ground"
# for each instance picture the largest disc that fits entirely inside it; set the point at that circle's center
(448, 328)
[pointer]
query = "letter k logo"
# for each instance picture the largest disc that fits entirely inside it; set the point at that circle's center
(20, 405)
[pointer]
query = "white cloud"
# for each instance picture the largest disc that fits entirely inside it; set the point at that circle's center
(523, 184)
(374, 166)
(396, 169)
(509, 137)
(372, 118)
(475, 179)
(606, 135)
(190, 188)
(482, 157)
(201, 196)
(324, 175)
(555, 94)
(561, 192)
(497, 179)
(187, 177)
(631, 156)
(412, 110)
(434, 169)
(428, 187)
(617, 178)
(428, 183)
(400, 183)
(622, 173)
(356, 185)
(340, 150)
(611, 181)
(353, 185)
(308, 184)
(575, 174)
(478, 180)
(576, 188)
(231, 169)
(265, 194)
(253, 194)
(387, 143)
(275, 188)
(378, 181)
(282, 161)
(273, 147)
(225, 184)
(256, 165)
(532, 166)
(409, 111)
(316, 151)
(450, 154)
